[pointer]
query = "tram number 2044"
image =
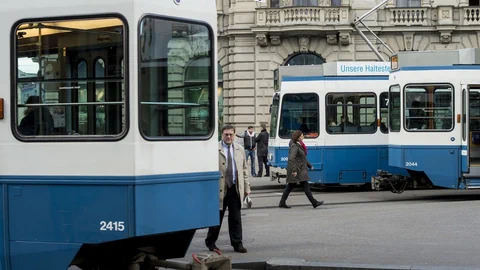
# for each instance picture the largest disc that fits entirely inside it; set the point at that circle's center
(112, 226)
(411, 164)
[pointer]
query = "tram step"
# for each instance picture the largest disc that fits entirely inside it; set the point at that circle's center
(473, 183)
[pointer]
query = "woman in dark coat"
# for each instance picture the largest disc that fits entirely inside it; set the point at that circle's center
(297, 170)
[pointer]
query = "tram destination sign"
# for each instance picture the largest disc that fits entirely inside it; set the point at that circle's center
(363, 68)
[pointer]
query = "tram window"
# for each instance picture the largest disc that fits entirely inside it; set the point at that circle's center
(474, 109)
(351, 113)
(384, 112)
(299, 112)
(394, 108)
(69, 83)
(177, 97)
(428, 107)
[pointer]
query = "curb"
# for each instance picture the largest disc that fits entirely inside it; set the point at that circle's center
(300, 264)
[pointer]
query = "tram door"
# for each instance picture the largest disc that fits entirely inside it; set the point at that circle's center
(471, 130)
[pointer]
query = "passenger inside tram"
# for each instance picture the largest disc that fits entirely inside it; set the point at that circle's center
(416, 120)
(37, 120)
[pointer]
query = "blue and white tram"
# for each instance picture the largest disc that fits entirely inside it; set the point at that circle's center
(342, 110)
(108, 135)
(435, 118)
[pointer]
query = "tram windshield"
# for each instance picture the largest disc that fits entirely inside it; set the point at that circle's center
(299, 112)
(274, 115)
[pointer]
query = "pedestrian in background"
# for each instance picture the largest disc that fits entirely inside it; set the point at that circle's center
(262, 151)
(249, 141)
(297, 170)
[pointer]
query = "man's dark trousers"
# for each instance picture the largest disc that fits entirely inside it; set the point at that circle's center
(232, 201)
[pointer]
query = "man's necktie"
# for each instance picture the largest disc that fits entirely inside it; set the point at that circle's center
(229, 176)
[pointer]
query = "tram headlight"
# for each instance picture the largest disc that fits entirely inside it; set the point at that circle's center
(394, 62)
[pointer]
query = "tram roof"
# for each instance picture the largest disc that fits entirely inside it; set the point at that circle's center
(26, 9)
(436, 60)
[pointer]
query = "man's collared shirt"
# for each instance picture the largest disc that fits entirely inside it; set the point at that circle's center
(225, 150)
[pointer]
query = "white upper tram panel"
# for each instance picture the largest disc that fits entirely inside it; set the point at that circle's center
(127, 151)
(436, 65)
(430, 81)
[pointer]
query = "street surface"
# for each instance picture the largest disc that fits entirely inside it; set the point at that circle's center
(422, 228)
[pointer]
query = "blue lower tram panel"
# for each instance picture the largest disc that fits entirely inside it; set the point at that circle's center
(347, 165)
(54, 222)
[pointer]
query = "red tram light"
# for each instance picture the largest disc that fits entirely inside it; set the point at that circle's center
(1, 108)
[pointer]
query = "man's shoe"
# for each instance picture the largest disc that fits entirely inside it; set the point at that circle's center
(240, 249)
(284, 205)
(211, 246)
(317, 204)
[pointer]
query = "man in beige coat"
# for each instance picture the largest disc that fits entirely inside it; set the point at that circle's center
(233, 187)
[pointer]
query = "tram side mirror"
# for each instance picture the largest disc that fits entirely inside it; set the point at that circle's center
(1, 108)
(270, 109)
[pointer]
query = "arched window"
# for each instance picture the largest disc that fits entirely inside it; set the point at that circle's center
(197, 71)
(304, 59)
(408, 3)
(197, 89)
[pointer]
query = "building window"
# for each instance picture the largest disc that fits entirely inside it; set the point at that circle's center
(428, 107)
(56, 78)
(303, 59)
(299, 112)
(176, 79)
(408, 3)
(351, 113)
(394, 108)
(336, 3)
(305, 3)
(274, 3)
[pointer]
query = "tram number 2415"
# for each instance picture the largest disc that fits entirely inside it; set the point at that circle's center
(112, 226)
(411, 164)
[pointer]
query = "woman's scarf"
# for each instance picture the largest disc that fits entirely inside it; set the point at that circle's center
(304, 147)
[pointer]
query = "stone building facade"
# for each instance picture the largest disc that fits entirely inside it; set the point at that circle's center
(256, 37)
